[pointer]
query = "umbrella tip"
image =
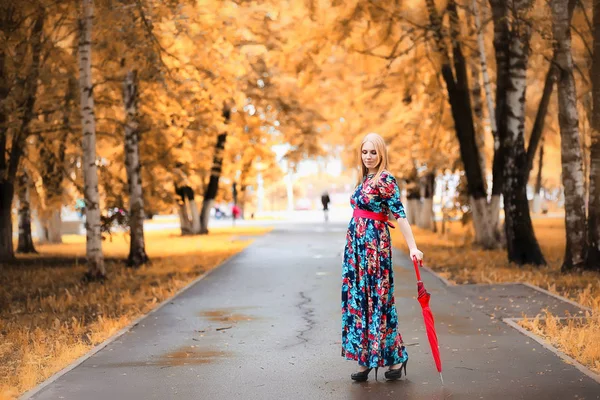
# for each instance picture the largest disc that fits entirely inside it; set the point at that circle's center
(442, 378)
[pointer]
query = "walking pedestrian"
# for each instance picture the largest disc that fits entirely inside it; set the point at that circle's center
(370, 329)
(325, 201)
(235, 212)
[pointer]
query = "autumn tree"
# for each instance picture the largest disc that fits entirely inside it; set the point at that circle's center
(95, 258)
(21, 44)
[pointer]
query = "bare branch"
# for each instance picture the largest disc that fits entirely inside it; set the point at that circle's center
(583, 39)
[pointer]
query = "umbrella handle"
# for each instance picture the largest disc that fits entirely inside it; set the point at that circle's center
(417, 268)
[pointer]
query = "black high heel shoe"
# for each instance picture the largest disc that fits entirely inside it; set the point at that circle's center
(364, 375)
(396, 373)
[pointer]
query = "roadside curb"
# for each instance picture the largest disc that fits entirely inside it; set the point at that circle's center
(35, 390)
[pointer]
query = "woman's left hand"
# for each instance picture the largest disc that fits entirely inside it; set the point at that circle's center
(416, 253)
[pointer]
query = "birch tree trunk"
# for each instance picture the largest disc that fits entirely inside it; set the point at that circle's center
(137, 246)
(484, 69)
(568, 119)
(213, 184)
(215, 173)
(522, 245)
(487, 216)
(476, 94)
(593, 233)
(95, 258)
(25, 243)
(194, 216)
(501, 52)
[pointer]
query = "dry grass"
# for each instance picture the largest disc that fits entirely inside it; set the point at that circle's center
(48, 317)
(578, 338)
(453, 257)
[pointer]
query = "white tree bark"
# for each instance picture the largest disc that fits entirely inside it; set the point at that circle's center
(184, 219)
(137, 246)
(484, 69)
(486, 219)
(568, 119)
(193, 208)
(95, 258)
(516, 95)
(476, 96)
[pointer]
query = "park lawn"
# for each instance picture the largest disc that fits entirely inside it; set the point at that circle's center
(454, 257)
(49, 318)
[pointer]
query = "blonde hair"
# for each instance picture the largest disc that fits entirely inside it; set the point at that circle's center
(382, 153)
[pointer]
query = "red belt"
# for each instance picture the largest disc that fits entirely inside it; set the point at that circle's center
(358, 213)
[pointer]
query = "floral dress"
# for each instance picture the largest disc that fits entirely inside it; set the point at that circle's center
(369, 319)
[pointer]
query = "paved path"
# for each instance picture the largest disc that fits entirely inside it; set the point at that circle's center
(266, 325)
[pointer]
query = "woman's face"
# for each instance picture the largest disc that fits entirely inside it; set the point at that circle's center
(369, 156)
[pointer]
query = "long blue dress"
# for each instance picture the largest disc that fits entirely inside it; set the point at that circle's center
(369, 319)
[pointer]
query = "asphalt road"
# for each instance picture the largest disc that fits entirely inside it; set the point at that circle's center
(266, 325)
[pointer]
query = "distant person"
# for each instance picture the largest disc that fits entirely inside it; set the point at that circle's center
(370, 326)
(325, 201)
(235, 212)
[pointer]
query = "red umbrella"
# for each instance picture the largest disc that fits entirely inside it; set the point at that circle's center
(423, 298)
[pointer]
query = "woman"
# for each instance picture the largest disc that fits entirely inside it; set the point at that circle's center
(369, 320)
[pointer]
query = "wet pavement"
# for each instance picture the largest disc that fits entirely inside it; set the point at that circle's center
(266, 325)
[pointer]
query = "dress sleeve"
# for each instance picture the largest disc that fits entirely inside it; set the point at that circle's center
(390, 194)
